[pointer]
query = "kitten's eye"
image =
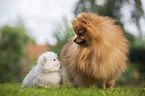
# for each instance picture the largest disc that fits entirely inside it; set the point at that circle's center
(54, 59)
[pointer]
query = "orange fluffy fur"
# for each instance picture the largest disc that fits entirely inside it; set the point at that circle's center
(103, 57)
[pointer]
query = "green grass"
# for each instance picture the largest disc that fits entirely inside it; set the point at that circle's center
(9, 89)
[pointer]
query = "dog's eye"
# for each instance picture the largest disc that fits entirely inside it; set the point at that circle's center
(54, 59)
(80, 34)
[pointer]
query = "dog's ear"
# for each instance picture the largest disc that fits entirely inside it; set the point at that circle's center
(84, 20)
(44, 61)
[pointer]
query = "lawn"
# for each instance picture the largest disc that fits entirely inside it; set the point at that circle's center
(9, 89)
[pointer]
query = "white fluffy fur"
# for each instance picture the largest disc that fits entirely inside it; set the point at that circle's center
(46, 73)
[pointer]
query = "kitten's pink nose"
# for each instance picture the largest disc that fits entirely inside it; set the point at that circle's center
(58, 64)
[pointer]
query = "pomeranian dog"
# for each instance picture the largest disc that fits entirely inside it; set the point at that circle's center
(96, 55)
(46, 73)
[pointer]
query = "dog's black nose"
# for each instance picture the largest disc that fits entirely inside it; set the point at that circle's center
(75, 40)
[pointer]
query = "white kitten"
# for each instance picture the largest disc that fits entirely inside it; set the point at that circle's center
(46, 73)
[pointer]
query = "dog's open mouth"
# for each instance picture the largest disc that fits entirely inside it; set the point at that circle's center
(80, 43)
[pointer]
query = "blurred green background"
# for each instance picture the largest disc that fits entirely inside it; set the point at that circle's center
(15, 60)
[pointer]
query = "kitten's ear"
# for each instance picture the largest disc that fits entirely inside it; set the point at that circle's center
(44, 61)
